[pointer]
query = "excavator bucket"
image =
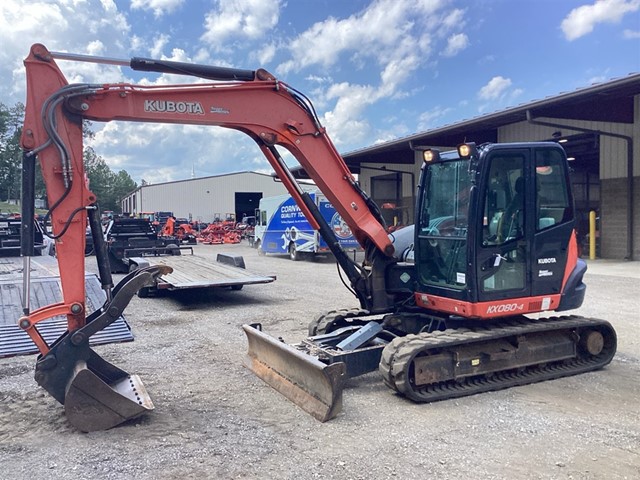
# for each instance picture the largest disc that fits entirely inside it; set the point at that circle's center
(312, 385)
(100, 396)
(96, 394)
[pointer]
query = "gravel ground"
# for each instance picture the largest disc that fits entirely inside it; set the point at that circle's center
(216, 419)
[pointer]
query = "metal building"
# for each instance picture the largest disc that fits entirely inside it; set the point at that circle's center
(204, 199)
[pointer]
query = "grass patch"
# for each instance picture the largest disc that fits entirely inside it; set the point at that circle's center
(8, 208)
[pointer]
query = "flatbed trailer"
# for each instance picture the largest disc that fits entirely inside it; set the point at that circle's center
(45, 289)
(195, 270)
(134, 243)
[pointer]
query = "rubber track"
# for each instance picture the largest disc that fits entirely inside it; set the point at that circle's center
(398, 356)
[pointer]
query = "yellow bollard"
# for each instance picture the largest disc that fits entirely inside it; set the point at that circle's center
(592, 235)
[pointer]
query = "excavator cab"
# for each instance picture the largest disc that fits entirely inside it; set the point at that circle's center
(494, 225)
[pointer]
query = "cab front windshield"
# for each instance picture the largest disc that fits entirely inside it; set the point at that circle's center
(442, 234)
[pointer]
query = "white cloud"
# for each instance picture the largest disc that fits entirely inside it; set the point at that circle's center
(582, 20)
(431, 118)
(498, 93)
(159, 43)
(595, 75)
(318, 79)
(631, 34)
(159, 7)
(385, 29)
(159, 152)
(384, 137)
(243, 19)
(265, 54)
(455, 44)
(388, 41)
(515, 93)
(343, 122)
(61, 26)
(495, 89)
(486, 60)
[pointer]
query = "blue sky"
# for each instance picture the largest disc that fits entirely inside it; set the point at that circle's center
(375, 70)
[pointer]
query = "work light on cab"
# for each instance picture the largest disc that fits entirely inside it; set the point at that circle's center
(467, 150)
(431, 155)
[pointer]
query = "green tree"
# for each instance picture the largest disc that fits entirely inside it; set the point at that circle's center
(108, 186)
(10, 153)
(123, 185)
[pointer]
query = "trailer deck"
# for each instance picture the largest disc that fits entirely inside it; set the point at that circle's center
(191, 270)
(45, 290)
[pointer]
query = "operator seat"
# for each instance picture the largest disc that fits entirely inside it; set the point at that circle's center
(511, 220)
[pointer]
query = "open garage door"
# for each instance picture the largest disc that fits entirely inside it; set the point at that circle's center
(246, 203)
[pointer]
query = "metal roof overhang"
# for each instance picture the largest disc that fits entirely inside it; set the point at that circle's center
(610, 101)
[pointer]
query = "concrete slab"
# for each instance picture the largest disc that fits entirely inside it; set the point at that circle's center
(614, 268)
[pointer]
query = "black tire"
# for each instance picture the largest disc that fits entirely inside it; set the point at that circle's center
(144, 292)
(117, 265)
(293, 252)
(236, 287)
(335, 319)
(327, 322)
(173, 249)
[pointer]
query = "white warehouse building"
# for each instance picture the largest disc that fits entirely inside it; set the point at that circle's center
(204, 199)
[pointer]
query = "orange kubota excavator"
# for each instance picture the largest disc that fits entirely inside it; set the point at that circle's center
(443, 304)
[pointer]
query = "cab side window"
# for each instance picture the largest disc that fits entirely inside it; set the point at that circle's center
(552, 199)
(504, 224)
(504, 201)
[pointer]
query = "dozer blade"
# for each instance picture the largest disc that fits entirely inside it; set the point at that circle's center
(312, 385)
(96, 394)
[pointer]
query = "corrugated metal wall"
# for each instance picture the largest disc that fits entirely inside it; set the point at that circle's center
(201, 198)
(613, 151)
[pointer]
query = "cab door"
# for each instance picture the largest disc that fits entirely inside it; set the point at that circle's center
(503, 262)
(554, 220)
